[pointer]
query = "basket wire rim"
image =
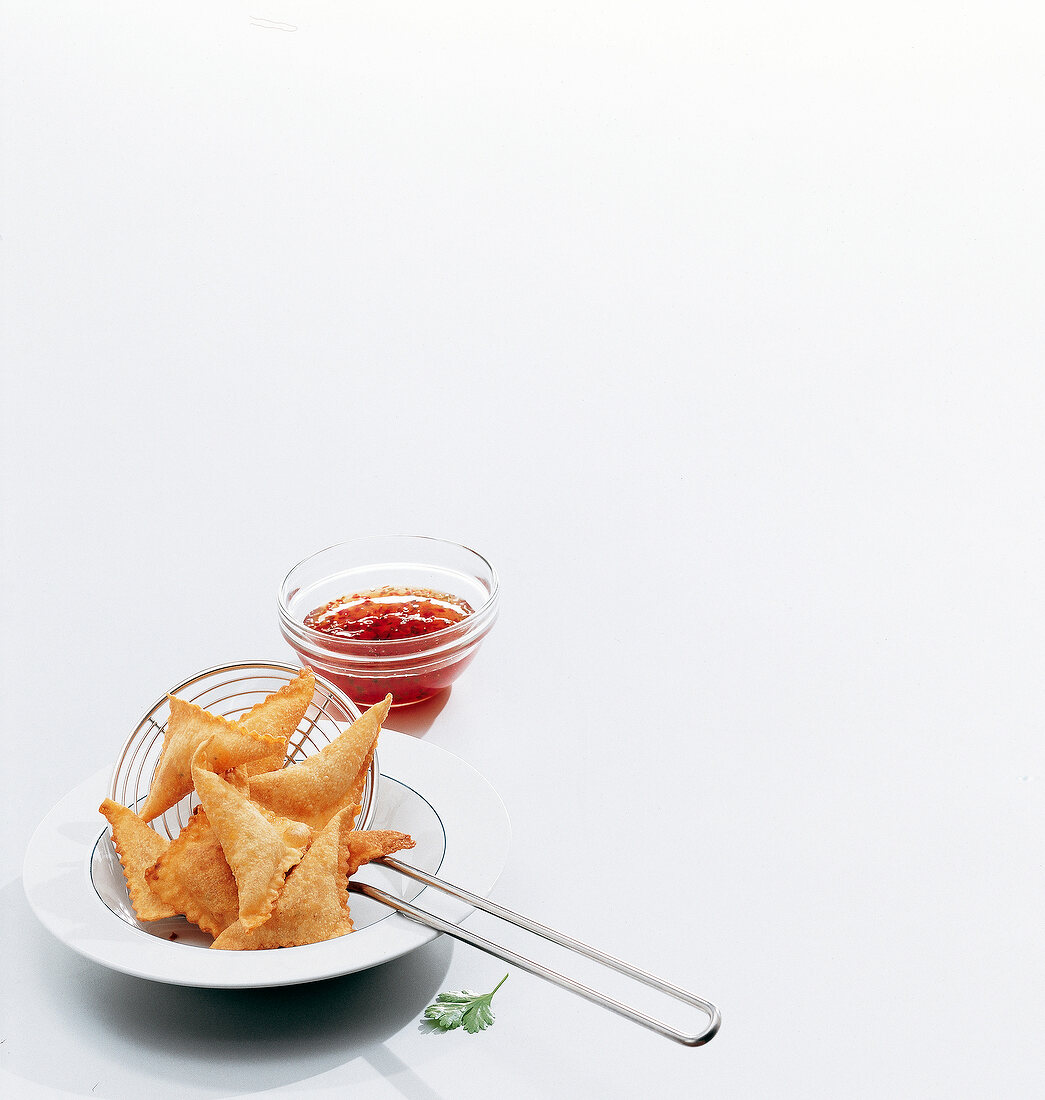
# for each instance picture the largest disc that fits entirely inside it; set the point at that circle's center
(136, 745)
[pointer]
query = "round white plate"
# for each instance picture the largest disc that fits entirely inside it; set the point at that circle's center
(75, 884)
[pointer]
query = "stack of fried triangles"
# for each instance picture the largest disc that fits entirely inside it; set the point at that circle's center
(264, 860)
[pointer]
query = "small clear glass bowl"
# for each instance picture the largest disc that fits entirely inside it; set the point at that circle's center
(411, 669)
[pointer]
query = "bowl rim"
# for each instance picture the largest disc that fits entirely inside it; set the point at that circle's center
(446, 638)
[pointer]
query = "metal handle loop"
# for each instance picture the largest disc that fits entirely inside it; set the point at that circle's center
(422, 916)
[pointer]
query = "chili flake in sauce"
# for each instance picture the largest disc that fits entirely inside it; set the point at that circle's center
(387, 614)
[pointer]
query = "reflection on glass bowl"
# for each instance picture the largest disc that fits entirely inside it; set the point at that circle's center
(413, 661)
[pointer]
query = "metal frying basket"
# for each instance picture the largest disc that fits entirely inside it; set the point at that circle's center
(229, 691)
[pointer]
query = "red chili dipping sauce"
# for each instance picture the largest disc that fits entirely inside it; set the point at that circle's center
(387, 614)
(395, 620)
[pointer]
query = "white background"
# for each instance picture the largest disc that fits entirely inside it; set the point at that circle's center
(718, 329)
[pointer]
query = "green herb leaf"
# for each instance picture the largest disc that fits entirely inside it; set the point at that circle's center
(463, 1008)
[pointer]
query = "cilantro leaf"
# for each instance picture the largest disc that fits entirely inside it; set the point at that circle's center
(463, 1008)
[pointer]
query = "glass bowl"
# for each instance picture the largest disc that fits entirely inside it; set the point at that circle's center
(410, 668)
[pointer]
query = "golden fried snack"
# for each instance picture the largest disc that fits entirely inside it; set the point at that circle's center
(328, 781)
(314, 903)
(237, 749)
(312, 906)
(194, 878)
(366, 845)
(138, 847)
(260, 850)
(238, 778)
(278, 715)
(188, 727)
(354, 794)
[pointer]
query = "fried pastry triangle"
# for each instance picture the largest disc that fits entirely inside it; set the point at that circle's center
(313, 905)
(366, 845)
(194, 878)
(188, 727)
(260, 848)
(278, 715)
(327, 782)
(138, 847)
(236, 749)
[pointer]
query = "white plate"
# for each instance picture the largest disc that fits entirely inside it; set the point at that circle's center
(76, 887)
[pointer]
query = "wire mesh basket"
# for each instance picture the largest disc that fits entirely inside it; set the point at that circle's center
(229, 691)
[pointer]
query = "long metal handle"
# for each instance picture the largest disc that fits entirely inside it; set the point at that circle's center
(533, 967)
